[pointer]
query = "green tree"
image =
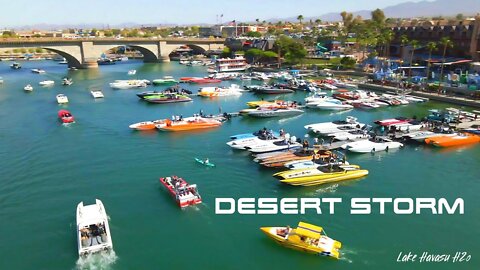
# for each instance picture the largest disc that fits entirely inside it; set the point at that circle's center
(116, 32)
(254, 53)
(296, 53)
(253, 34)
(257, 20)
(348, 62)
(300, 18)
(133, 33)
(38, 50)
(378, 17)
(226, 52)
(37, 36)
(8, 34)
(31, 50)
(23, 50)
(414, 44)
(446, 43)
(16, 50)
(403, 41)
(108, 33)
(431, 46)
(459, 16)
(318, 21)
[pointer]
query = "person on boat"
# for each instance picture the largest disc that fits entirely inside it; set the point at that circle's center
(282, 132)
(206, 161)
(181, 117)
(305, 145)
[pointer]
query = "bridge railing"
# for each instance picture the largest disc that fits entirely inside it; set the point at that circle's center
(127, 39)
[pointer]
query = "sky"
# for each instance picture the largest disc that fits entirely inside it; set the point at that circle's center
(63, 12)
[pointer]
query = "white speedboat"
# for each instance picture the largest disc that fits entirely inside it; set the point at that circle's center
(47, 83)
(132, 72)
(62, 99)
(28, 88)
(38, 71)
(328, 86)
(242, 144)
(350, 135)
(315, 99)
(420, 136)
(233, 90)
(274, 146)
(93, 231)
(333, 105)
(408, 127)
(372, 145)
(264, 112)
(302, 164)
(128, 84)
(97, 93)
(67, 81)
(335, 126)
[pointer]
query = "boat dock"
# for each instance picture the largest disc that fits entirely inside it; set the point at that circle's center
(453, 99)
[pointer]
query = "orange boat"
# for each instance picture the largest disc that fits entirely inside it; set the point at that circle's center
(147, 125)
(189, 123)
(447, 141)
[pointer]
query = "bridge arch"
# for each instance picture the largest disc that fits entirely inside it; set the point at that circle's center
(71, 59)
(148, 55)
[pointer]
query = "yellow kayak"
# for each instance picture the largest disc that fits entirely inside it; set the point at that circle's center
(320, 175)
(306, 237)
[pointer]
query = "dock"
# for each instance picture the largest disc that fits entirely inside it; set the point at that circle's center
(453, 99)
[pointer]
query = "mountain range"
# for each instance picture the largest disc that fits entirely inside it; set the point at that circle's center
(403, 10)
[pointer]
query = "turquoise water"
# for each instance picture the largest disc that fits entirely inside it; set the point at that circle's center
(47, 169)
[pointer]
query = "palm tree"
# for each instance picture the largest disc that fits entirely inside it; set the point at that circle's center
(300, 18)
(446, 43)
(414, 44)
(404, 41)
(388, 36)
(257, 20)
(318, 21)
(431, 46)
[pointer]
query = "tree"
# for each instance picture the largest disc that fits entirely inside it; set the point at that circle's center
(31, 50)
(253, 34)
(348, 62)
(431, 46)
(108, 33)
(378, 17)
(403, 41)
(300, 18)
(446, 43)
(254, 53)
(387, 36)
(318, 21)
(38, 50)
(226, 52)
(258, 21)
(414, 44)
(293, 51)
(8, 34)
(459, 16)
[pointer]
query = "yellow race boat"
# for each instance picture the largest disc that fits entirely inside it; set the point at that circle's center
(320, 175)
(306, 237)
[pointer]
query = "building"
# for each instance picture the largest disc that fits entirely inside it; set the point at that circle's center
(465, 36)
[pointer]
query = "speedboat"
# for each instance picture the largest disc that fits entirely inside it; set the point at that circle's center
(47, 83)
(67, 81)
(162, 98)
(258, 103)
(97, 93)
(335, 126)
(457, 140)
(15, 65)
(204, 80)
(66, 117)
(132, 72)
(350, 135)
(252, 142)
(320, 175)
(393, 121)
(306, 237)
(184, 193)
(28, 88)
(93, 231)
(146, 125)
(333, 105)
(365, 104)
(250, 135)
(62, 99)
(273, 146)
(282, 111)
(166, 80)
(281, 159)
(413, 125)
(272, 90)
(475, 129)
(310, 164)
(128, 84)
(233, 90)
(189, 123)
(371, 145)
(38, 71)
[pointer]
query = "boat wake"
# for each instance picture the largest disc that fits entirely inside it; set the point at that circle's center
(286, 120)
(100, 261)
(345, 255)
(329, 189)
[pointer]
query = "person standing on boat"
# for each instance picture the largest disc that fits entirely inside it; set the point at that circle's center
(305, 145)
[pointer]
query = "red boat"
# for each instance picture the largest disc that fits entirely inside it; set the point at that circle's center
(188, 79)
(204, 80)
(346, 95)
(183, 193)
(65, 116)
(393, 121)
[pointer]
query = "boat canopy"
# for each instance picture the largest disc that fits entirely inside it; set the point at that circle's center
(308, 230)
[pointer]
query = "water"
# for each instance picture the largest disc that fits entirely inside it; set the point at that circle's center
(47, 169)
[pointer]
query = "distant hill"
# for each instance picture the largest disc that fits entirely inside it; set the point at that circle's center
(410, 10)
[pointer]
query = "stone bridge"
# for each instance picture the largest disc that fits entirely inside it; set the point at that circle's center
(83, 53)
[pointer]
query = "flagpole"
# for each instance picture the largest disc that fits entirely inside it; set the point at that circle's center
(236, 30)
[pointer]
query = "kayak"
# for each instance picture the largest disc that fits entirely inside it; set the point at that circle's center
(203, 162)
